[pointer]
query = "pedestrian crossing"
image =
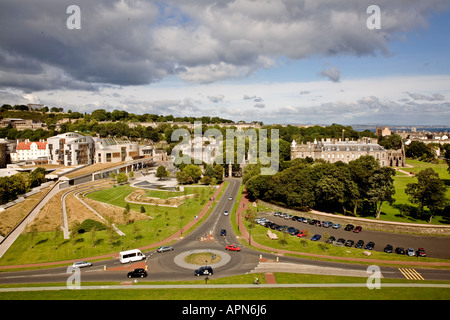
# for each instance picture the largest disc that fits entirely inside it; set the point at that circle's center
(411, 274)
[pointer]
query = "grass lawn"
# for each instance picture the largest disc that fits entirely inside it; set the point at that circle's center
(255, 293)
(162, 222)
(392, 212)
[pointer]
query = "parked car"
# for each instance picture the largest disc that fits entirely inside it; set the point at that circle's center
(357, 229)
(232, 247)
(327, 224)
(421, 252)
(399, 250)
(316, 237)
(336, 226)
(359, 244)
(340, 241)
(137, 273)
(410, 252)
(369, 245)
(294, 232)
(277, 213)
(388, 248)
(349, 243)
(349, 227)
(81, 264)
(302, 234)
(203, 271)
(164, 249)
(223, 232)
(331, 239)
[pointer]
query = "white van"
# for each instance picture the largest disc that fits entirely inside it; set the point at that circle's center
(131, 256)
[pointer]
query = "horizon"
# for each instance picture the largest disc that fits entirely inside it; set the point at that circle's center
(311, 62)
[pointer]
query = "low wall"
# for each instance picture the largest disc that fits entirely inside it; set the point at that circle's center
(371, 224)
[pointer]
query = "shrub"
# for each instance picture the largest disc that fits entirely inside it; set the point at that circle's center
(88, 224)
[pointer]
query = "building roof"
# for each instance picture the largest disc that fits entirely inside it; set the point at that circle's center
(27, 145)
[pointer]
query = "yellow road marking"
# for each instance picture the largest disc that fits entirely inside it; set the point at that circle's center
(411, 274)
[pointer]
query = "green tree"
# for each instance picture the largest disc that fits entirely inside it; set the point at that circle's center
(382, 188)
(161, 172)
(428, 191)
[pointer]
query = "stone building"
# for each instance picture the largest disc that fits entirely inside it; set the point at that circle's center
(333, 150)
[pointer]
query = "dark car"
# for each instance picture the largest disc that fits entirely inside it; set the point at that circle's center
(349, 227)
(399, 250)
(137, 273)
(340, 241)
(359, 244)
(357, 229)
(316, 237)
(369, 245)
(331, 239)
(203, 271)
(349, 243)
(388, 248)
(223, 232)
(421, 252)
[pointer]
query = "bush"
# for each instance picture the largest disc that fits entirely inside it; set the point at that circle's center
(88, 224)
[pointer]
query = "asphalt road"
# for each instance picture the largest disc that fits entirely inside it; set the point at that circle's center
(436, 247)
(162, 267)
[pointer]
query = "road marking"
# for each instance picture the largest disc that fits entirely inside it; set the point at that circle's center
(411, 274)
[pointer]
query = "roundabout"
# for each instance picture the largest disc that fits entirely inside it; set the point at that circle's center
(215, 258)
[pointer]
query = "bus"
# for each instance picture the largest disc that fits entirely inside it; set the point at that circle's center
(131, 256)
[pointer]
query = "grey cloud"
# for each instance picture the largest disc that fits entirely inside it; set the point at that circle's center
(136, 42)
(332, 73)
(433, 97)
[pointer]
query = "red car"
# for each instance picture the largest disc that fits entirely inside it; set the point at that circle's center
(421, 252)
(301, 234)
(357, 229)
(232, 247)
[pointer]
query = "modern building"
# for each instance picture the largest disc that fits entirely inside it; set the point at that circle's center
(333, 150)
(114, 150)
(26, 150)
(70, 149)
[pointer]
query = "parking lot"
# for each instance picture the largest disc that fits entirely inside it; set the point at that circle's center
(435, 247)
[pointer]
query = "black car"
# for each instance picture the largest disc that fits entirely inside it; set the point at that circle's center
(223, 232)
(349, 243)
(388, 248)
(331, 239)
(399, 250)
(137, 273)
(359, 244)
(349, 227)
(203, 271)
(340, 241)
(369, 245)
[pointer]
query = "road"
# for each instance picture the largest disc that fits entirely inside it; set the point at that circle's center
(163, 267)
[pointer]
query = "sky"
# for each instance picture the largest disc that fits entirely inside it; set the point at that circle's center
(279, 62)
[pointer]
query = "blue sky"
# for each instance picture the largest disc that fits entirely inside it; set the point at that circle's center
(311, 61)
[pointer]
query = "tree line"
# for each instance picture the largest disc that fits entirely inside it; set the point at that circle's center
(13, 186)
(360, 187)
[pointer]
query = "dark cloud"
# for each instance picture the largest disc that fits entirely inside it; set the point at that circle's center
(135, 42)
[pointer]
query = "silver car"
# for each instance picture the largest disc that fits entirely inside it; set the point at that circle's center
(81, 264)
(164, 249)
